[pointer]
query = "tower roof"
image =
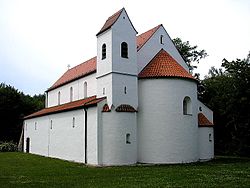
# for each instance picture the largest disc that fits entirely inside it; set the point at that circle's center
(164, 65)
(110, 21)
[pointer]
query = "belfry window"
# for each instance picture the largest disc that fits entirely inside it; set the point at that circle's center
(104, 51)
(124, 50)
(187, 106)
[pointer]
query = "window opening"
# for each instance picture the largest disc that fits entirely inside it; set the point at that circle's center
(187, 106)
(124, 50)
(71, 94)
(161, 39)
(125, 90)
(59, 98)
(128, 138)
(104, 51)
(73, 122)
(85, 89)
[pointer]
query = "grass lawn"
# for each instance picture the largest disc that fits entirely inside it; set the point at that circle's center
(27, 170)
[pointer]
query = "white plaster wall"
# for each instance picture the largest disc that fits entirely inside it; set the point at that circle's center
(105, 82)
(78, 90)
(123, 31)
(104, 66)
(38, 137)
(62, 141)
(153, 46)
(165, 135)
(206, 111)
(206, 147)
(119, 96)
(115, 150)
(92, 142)
(66, 141)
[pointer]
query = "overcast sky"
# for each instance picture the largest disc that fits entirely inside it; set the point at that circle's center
(39, 38)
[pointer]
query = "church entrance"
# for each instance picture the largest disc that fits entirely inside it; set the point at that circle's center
(27, 145)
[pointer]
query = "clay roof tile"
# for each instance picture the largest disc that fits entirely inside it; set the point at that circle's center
(203, 121)
(163, 65)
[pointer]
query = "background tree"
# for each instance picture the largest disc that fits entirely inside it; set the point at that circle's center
(14, 105)
(189, 53)
(228, 94)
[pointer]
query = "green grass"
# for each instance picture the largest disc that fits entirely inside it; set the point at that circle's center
(27, 170)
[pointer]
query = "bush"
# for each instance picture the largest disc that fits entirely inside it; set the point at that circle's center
(8, 146)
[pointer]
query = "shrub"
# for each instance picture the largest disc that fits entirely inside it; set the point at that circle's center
(8, 146)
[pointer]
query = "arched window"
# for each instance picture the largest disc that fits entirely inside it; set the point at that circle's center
(71, 94)
(187, 106)
(124, 50)
(85, 89)
(59, 98)
(104, 51)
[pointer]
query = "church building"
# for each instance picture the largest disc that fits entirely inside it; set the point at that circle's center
(135, 102)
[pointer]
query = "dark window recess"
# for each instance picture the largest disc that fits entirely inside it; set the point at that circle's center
(124, 50)
(104, 51)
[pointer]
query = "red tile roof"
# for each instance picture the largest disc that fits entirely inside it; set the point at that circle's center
(163, 65)
(76, 72)
(144, 37)
(89, 66)
(106, 108)
(203, 121)
(110, 21)
(90, 101)
(125, 108)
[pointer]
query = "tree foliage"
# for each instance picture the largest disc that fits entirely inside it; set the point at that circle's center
(228, 94)
(190, 53)
(14, 105)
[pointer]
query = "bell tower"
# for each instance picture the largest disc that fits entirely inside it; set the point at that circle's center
(117, 61)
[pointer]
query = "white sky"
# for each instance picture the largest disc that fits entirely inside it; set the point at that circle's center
(39, 38)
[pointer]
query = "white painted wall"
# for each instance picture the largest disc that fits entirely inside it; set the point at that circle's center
(92, 147)
(78, 90)
(165, 135)
(115, 150)
(38, 137)
(62, 141)
(153, 46)
(206, 144)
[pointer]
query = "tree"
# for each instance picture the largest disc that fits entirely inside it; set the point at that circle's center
(14, 105)
(189, 53)
(228, 94)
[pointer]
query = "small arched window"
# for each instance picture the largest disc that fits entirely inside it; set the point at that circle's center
(59, 98)
(125, 90)
(187, 106)
(71, 94)
(104, 51)
(85, 89)
(124, 50)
